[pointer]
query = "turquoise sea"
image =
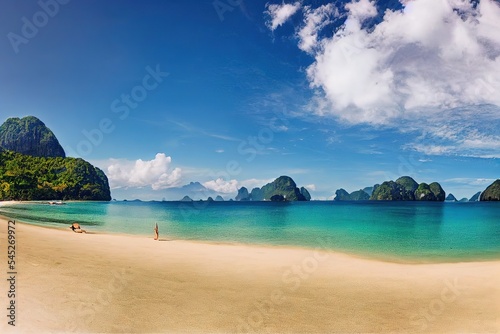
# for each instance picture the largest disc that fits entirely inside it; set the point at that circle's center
(407, 231)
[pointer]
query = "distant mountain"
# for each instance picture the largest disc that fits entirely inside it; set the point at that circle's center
(242, 194)
(492, 192)
(464, 199)
(450, 198)
(219, 198)
(475, 197)
(368, 190)
(358, 195)
(186, 199)
(407, 189)
(30, 136)
(257, 194)
(195, 190)
(341, 195)
(305, 193)
(283, 186)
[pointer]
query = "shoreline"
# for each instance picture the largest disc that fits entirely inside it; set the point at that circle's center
(382, 258)
(379, 257)
(120, 283)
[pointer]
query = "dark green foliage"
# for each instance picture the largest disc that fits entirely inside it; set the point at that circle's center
(24, 177)
(409, 185)
(388, 191)
(424, 193)
(438, 191)
(277, 198)
(492, 192)
(284, 186)
(257, 194)
(242, 194)
(305, 193)
(407, 189)
(29, 136)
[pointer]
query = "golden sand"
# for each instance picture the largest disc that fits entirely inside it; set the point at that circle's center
(69, 282)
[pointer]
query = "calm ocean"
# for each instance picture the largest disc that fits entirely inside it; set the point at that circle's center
(410, 231)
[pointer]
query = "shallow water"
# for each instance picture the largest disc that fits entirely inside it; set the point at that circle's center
(415, 231)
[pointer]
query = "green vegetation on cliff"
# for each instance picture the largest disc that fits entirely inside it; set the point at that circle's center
(29, 136)
(358, 195)
(424, 193)
(24, 177)
(283, 186)
(407, 189)
(492, 192)
(388, 191)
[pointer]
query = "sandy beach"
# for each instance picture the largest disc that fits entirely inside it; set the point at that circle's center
(99, 283)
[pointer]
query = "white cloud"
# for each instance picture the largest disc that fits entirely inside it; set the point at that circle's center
(315, 20)
(463, 132)
(432, 67)
(253, 183)
(155, 173)
(222, 186)
(311, 187)
(470, 181)
(362, 9)
(219, 151)
(424, 56)
(279, 14)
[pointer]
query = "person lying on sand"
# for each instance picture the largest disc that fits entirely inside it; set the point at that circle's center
(77, 228)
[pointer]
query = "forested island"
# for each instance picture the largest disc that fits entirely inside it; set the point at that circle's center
(34, 166)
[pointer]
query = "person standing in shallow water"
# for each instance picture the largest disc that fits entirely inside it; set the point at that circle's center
(157, 236)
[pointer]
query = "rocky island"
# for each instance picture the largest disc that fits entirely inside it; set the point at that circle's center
(492, 192)
(281, 189)
(407, 189)
(34, 166)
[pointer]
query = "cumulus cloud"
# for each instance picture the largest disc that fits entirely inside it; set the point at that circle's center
(279, 14)
(431, 55)
(361, 10)
(156, 173)
(222, 186)
(420, 68)
(310, 187)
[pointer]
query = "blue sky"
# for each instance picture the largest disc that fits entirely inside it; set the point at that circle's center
(237, 93)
